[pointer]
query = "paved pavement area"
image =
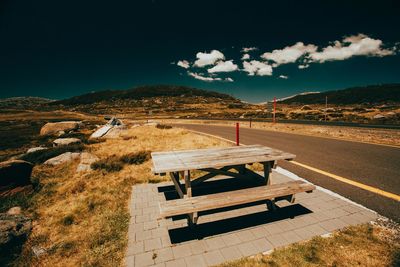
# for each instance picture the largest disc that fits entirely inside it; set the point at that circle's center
(229, 233)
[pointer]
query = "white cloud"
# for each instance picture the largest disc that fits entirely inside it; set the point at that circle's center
(228, 79)
(289, 54)
(248, 49)
(183, 63)
(245, 56)
(224, 66)
(355, 45)
(283, 77)
(205, 59)
(258, 68)
(203, 78)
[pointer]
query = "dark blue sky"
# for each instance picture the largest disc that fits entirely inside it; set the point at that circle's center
(58, 49)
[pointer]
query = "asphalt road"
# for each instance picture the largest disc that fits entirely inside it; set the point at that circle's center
(374, 165)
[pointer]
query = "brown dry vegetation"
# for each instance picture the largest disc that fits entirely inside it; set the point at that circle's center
(363, 245)
(82, 219)
(375, 136)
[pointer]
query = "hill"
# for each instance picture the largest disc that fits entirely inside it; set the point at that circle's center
(373, 94)
(141, 92)
(24, 102)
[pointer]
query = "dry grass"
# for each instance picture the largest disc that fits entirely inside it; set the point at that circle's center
(362, 245)
(82, 219)
(375, 136)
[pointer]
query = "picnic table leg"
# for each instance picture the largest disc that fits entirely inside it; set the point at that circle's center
(192, 216)
(267, 170)
(177, 184)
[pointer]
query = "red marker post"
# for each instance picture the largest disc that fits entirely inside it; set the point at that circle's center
(274, 109)
(237, 133)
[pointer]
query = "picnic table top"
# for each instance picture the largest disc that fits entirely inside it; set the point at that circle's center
(183, 160)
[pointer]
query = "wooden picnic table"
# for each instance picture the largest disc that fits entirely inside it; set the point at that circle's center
(217, 161)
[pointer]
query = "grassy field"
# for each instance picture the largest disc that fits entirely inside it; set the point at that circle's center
(363, 245)
(81, 219)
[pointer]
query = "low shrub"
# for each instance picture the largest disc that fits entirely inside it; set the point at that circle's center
(115, 163)
(163, 126)
(110, 164)
(136, 158)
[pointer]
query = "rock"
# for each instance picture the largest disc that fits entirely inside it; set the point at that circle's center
(115, 132)
(65, 157)
(66, 141)
(13, 229)
(114, 122)
(55, 127)
(86, 160)
(101, 131)
(38, 251)
(17, 172)
(379, 116)
(306, 107)
(14, 211)
(34, 149)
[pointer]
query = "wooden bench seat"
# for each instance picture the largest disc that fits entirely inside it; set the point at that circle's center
(227, 199)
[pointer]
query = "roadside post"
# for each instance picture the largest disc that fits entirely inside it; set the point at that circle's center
(237, 133)
(250, 123)
(274, 120)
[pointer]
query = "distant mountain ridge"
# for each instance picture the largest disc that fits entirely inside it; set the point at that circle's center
(23, 102)
(372, 94)
(141, 92)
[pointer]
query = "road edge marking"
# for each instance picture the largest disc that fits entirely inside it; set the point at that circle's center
(350, 182)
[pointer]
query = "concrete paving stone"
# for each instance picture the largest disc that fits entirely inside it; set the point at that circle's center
(135, 248)
(291, 236)
(351, 208)
(231, 253)
(196, 261)
(230, 239)
(350, 219)
(258, 232)
(130, 261)
(141, 205)
(181, 251)
(152, 244)
(304, 233)
(370, 215)
(246, 235)
(197, 247)
(142, 218)
(214, 243)
(150, 210)
(213, 257)
(331, 225)
(144, 235)
(287, 224)
(277, 240)
(176, 263)
(321, 216)
(159, 232)
(162, 264)
(165, 241)
(339, 212)
(150, 225)
(136, 212)
(316, 229)
(144, 259)
(247, 248)
(262, 245)
(163, 255)
(273, 228)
